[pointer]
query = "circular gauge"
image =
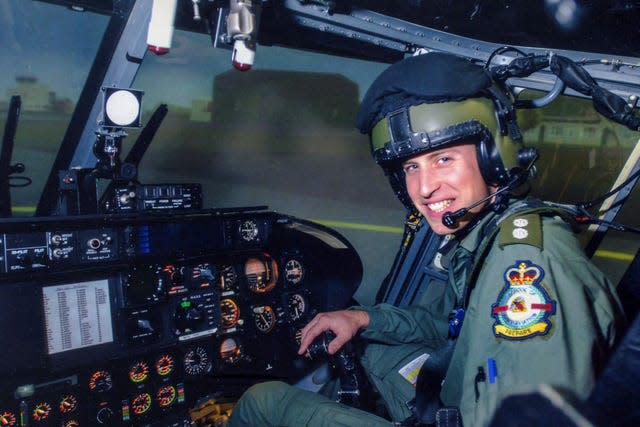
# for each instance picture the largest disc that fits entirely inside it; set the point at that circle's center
(202, 275)
(248, 230)
(229, 313)
(105, 414)
(41, 412)
(296, 306)
(139, 372)
(141, 403)
(166, 395)
(68, 404)
(196, 361)
(230, 351)
(100, 381)
(293, 271)
(264, 318)
(261, 274)
(165, 365)
(71, 423)
(7, 418)
(228, 278)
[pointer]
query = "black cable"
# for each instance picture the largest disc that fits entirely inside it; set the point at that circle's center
(26, 181)
(600, 199)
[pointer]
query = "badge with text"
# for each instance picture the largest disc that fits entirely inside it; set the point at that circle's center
(524, 306)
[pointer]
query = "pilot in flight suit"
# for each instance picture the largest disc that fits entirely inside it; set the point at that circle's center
(536, 310)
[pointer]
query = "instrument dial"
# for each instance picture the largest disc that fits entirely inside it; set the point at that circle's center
(141, 403)
(7, 419)
(41, 412)
(230, 351)
(296, 306)
(196, 361)
(261, 274)
(68, 404)
(248, 230)
(166, 395)
(105, 414)
(139, 372)
(228, 278)
(264, 318)
(165, 365)
(293, 271)
(100, 381)
(229, 313)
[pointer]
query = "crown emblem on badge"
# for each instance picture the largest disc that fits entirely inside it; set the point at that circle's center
(523, 274)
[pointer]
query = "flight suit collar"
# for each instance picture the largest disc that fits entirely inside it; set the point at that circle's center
(473, 236)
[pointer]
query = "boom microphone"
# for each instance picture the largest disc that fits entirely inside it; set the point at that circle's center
(449, 219)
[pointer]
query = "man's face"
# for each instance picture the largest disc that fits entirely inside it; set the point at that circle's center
(443, 181)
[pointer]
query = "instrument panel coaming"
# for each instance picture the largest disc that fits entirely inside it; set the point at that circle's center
(131, 319)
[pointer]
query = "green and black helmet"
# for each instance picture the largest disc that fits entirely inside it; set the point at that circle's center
(430, 101)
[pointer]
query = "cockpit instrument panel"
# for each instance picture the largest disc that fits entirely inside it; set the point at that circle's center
(130, 319)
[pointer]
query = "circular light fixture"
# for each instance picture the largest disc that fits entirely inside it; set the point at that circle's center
(122, 107)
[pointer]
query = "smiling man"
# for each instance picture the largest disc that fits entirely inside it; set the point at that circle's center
(522, 305)
(443, 181)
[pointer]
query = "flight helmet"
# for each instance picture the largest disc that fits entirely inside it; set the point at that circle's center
(433, 100)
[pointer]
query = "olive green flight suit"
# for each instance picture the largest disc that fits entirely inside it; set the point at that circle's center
(539, 312)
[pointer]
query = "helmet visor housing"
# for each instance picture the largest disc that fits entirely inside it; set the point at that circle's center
(420, 128)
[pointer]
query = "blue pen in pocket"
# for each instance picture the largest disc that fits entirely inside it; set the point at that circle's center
(492, 370)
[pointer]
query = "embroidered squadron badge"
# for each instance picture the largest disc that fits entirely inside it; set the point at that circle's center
(524, 306)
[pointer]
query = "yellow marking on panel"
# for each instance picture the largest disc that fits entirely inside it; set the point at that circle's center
(360, 226)
(620, 256)
(23, 209)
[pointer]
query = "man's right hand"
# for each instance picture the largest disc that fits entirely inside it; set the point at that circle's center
(344, 324)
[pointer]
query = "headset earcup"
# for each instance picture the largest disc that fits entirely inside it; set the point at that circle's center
(490, 163)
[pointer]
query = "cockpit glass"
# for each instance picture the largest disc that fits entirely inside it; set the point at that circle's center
(581, 156)
(581, 152)
(47, 53)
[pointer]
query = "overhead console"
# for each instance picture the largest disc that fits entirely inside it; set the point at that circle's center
(133, 319)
